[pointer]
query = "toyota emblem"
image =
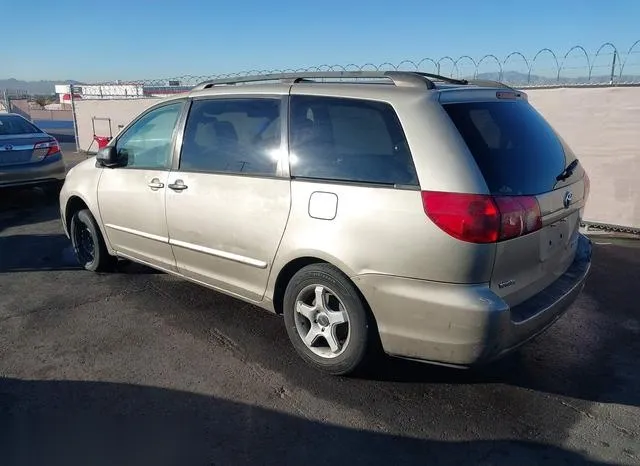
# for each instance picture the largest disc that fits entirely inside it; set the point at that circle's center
(568, 197)
(8, 147)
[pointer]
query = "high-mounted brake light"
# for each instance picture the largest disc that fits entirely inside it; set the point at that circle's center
(46, 148)
(508, 95)
(479, 218)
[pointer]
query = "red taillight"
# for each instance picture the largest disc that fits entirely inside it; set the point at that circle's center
(587, 188)
(519, 215)
(468, 217)
(479, 218)
(47, 148)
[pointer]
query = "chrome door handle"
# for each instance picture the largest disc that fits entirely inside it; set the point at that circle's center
(178, 185)
(155, 184)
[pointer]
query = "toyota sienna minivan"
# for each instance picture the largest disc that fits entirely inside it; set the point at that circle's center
(433, 218)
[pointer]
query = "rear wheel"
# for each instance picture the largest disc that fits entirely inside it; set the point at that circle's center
(88, 243)
(327, 320)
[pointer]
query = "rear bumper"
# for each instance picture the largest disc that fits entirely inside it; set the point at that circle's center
(465, 325)
(51, 169)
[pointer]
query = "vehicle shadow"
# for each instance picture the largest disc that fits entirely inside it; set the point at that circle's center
(78, 423)
(50, 252)
(128, 267)
(29, 253)
(25, 206)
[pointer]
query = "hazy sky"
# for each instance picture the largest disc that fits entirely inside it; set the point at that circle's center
(156, 39)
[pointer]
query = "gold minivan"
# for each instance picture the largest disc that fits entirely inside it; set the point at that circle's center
(433, 218)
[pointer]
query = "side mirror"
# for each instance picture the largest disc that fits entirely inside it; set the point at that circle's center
(108, 157)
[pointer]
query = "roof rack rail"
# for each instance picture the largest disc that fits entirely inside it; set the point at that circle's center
(439, 77)
(489, 83)
(398, 78)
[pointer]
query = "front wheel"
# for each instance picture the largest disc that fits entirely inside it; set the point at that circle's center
(327, 320)
(88, 243)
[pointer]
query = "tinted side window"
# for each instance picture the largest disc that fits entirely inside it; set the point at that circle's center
(147, 143)
(232, 136)
(348, 140)
(516, 150)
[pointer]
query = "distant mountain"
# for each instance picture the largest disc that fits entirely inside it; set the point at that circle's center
(32, 87)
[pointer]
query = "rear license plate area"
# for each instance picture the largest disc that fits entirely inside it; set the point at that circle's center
(14, 157)
(558, 239)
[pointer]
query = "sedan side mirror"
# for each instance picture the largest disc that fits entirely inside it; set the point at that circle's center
(108, 157)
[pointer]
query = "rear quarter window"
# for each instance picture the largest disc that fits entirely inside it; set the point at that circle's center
(517, 151)
(348, 140)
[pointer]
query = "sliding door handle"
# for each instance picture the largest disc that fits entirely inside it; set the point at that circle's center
(178, 185)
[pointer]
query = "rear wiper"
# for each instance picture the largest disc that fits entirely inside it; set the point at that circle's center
(567, 172)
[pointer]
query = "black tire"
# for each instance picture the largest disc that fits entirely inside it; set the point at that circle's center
(84, 228)
(360, 343)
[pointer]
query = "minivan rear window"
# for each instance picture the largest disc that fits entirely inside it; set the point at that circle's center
(516, 150)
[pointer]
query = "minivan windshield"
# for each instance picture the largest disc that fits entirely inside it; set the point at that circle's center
(516, 150)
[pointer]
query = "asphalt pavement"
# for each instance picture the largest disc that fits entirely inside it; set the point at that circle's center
(142, 368)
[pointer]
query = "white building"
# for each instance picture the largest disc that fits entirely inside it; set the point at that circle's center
(64, 93)
(112, 91)
(117, 90)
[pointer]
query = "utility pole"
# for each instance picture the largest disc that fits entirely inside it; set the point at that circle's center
(73, 115)
(5, 98)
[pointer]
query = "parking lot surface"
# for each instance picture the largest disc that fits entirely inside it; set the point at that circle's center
(142, 368)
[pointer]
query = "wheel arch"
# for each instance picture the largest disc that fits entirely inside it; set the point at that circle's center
(75, 203)
(285, 275)
(292, 267)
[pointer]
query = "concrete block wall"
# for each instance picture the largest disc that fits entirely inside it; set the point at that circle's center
(21, 107)
(54, 115)
(120, 111)
(602, 125)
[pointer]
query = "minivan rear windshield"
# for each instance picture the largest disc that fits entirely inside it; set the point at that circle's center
(12, 124)
(516, 150)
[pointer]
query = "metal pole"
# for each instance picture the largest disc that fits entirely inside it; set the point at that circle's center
(613, 66)
(73, 115)
(7, 105)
